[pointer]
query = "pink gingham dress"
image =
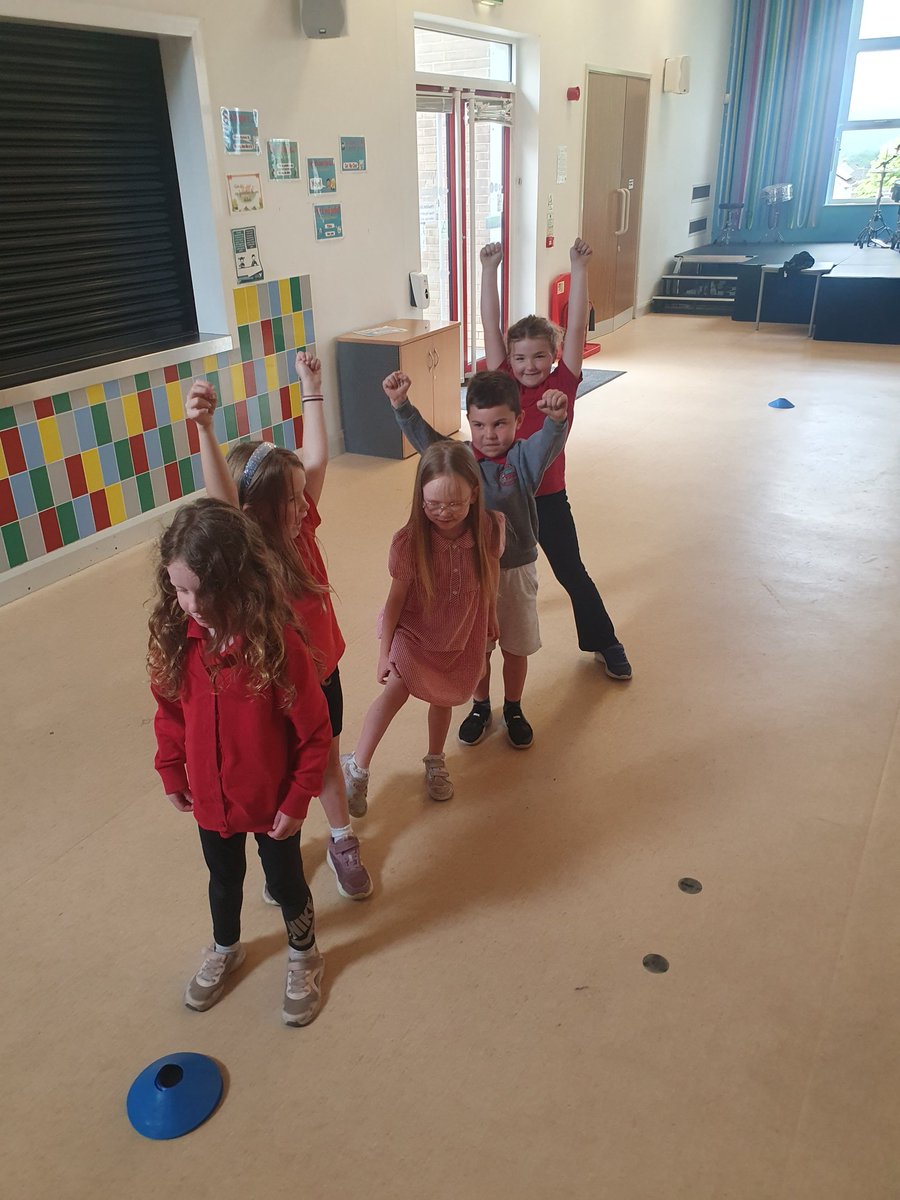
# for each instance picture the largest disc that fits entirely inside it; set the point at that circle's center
(438, 648)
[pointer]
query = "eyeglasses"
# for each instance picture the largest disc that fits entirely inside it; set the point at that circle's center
(438, 506)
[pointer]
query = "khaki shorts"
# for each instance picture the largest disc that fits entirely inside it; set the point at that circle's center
(517, 613)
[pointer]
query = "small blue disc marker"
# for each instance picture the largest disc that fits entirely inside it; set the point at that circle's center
(174, 1095)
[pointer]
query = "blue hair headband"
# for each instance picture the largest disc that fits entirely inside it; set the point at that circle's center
(252, 466)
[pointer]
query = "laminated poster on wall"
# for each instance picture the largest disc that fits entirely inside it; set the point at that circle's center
(284, 158)
(328, 222)
(247, 262)
(321, 176)
(240, 130)
(353, 153)
(244, 193)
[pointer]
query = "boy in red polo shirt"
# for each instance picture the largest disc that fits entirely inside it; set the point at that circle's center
(529, 354)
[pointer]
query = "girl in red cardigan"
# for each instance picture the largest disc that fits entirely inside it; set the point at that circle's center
(281, 491)
(242, 732)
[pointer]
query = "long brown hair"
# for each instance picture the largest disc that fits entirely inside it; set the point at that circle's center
(440, 459)
(264, 498)
(243, 600)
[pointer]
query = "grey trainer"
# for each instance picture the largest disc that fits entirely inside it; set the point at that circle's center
(356, 785)
(303, 989)
(208, 984)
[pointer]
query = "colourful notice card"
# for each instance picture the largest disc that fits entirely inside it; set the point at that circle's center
(247, 262)
(353, 153)
(244, 193)
(284, 159)
(321, 175)
(328, 222)
(240, 130)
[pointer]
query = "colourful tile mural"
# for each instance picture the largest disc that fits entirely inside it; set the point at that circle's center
(82, 461)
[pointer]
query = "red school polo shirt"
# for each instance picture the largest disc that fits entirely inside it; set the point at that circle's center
(316, 612)
(242, 756)
(562, 379)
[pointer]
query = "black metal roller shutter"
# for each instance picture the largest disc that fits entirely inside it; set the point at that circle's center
(93, 255)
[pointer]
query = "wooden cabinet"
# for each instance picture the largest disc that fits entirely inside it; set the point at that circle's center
(428, 352)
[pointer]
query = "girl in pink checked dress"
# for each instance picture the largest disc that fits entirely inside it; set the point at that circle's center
(440, 611)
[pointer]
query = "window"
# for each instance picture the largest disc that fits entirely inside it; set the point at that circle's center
(94, 262)
(868, 134)
(441, 53)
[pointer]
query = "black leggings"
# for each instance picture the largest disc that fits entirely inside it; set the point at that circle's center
(558, 538)
(226, 858)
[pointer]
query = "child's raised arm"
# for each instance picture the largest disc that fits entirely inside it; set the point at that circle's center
(494, 345)
(554, 404)
(396, 387)
(315, 435)
(577, 320)
(199, 408)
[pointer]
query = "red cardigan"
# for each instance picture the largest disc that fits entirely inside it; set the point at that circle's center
(242, 756)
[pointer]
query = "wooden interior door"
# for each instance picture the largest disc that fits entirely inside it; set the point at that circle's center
(637, 102)
(615, 138)
(602, 204)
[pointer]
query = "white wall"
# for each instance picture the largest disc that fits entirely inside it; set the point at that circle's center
(363, 84)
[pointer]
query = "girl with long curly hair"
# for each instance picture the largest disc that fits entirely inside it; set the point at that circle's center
(242, 733)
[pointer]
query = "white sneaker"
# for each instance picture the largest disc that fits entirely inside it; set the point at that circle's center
(268, 897)
(356, 785)
(303, 989)
(208, 984)
(437, 778)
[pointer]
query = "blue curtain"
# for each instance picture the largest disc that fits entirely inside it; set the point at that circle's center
(784, 88)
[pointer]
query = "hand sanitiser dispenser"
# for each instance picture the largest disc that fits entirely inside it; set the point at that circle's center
(418, 289)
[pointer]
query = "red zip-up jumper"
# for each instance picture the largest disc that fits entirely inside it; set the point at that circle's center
(242, 757)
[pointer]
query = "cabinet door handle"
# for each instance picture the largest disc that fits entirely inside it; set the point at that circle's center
(623, 219)
(429, 358)
(437, 357)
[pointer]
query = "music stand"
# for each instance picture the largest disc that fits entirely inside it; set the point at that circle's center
(732, 223)
(877, 228)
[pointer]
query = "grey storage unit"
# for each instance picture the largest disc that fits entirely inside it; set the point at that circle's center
(429, 353)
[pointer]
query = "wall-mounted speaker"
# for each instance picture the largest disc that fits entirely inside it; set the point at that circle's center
(323, 18)
(677, 75)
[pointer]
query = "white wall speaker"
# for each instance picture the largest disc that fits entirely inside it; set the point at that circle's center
(677, 75)
(323, 18)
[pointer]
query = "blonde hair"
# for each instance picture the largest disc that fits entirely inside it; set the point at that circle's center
(264, 498)
(442, 459)
(243, 600)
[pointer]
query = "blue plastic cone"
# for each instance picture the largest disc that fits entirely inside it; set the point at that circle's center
(780, 403)
(174, 1095)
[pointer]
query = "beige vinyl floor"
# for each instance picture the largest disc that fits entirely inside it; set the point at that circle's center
(489, 1030)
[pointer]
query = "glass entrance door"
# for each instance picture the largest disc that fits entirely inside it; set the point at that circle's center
(463, 159)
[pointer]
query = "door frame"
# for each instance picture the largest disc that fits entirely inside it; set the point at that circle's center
(605, 327)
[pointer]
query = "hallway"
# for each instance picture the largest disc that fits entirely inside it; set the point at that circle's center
(488, 1029)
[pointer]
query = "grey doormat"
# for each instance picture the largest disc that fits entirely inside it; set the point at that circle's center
(595, 379)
